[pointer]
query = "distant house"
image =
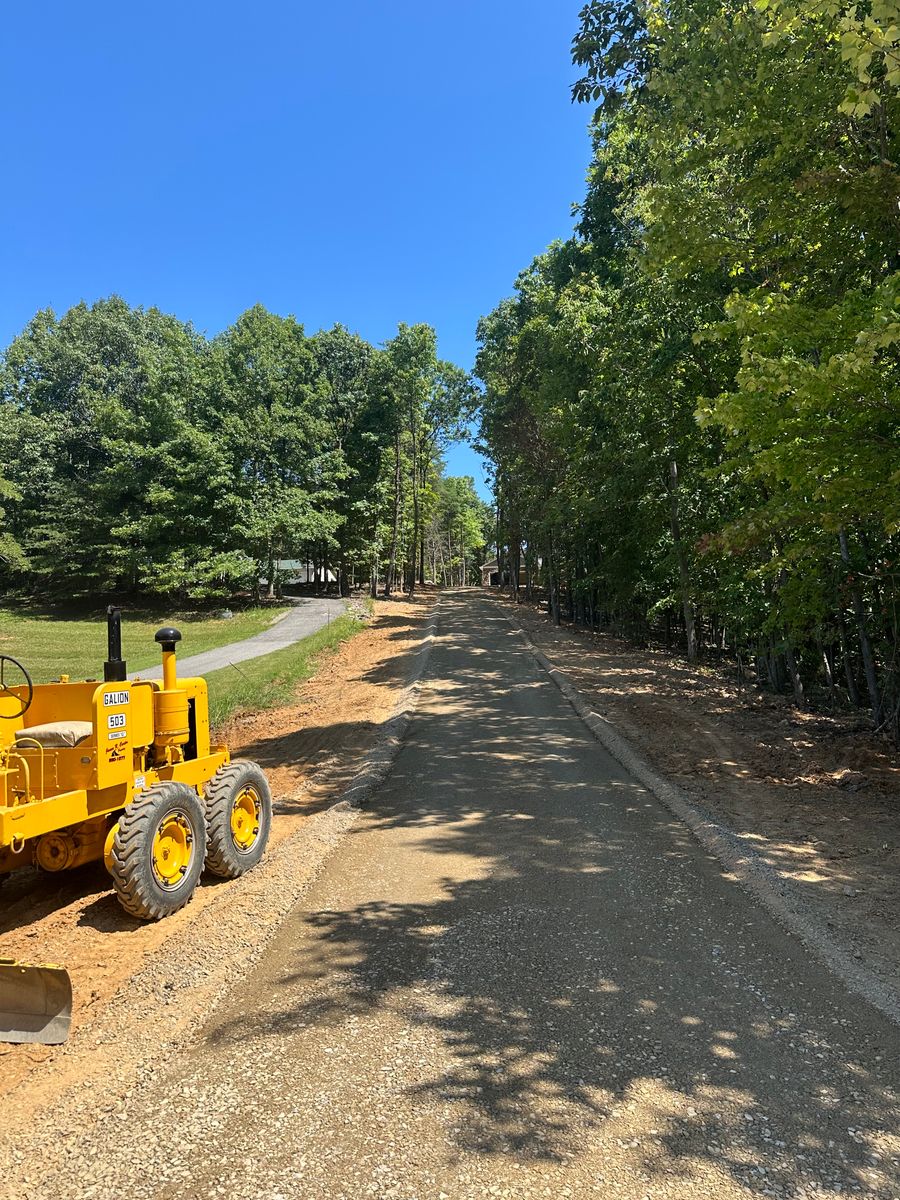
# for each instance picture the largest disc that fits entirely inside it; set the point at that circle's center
(490, 574)
(294, 572)
(491, 577)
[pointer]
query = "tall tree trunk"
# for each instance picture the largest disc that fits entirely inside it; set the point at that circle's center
(392, 559)
(865, 645)
(789, 656)
(271, 572)
(422, 482)
(515, 566)
(826, 666)
(554, 582)
(847, 657)
(777, 663)
(796, 681)
(690, 627)
(497, 543)
(413, 555)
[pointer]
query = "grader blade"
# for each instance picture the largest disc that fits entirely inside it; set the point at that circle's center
(35, 1003)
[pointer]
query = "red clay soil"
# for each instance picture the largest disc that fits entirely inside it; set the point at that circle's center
(817, 796)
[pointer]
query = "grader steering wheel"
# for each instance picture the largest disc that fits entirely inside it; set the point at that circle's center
(5, 662)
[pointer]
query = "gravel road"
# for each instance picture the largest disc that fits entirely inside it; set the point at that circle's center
(517, 976)
(307, 616)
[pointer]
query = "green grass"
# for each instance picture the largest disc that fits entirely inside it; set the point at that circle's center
(273, 680)
(49, 642)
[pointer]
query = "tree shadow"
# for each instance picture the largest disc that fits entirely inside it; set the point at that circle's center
(385, 621)
(594, 980)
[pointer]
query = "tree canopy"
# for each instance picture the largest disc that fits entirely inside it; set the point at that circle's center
(692, 405)
(140, 456)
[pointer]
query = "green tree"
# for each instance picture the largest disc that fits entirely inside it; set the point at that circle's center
(261, 399)
(690, 406)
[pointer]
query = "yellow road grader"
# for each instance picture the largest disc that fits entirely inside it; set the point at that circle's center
(122, 771)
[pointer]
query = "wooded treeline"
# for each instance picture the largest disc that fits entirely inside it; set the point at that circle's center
(692, 405)
(140, 457)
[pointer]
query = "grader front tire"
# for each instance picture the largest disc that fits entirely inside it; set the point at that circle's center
(238, 817)
(158, 851)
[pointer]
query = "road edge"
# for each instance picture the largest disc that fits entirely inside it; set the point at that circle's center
(380, 759)
(743, 863)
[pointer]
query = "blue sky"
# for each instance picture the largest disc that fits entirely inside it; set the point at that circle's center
(368, 162)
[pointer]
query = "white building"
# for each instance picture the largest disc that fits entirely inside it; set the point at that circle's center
(294, 572)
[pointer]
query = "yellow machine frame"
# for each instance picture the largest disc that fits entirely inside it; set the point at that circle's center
(143, 732)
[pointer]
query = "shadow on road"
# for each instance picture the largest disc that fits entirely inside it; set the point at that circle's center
(597, 984)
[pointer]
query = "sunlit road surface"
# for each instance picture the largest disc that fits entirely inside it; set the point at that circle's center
(518, 976)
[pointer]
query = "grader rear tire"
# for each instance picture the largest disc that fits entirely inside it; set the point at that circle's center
(158, 851)
(238, 817)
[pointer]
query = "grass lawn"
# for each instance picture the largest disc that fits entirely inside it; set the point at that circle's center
(51, 642)
(273, 680)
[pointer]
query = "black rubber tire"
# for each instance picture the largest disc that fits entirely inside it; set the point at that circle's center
(223, 856)
(131, 861)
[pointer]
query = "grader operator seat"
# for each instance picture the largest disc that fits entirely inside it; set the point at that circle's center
(55, 735)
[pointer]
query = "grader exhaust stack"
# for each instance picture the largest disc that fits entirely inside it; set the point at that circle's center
(115, 669)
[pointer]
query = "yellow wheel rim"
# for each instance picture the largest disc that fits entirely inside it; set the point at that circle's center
(245, 823)
(173, 850)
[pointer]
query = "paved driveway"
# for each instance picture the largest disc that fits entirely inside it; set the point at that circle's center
(307, 616)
